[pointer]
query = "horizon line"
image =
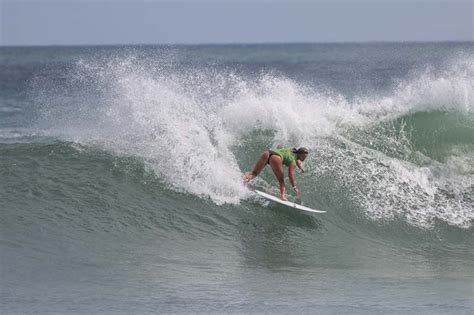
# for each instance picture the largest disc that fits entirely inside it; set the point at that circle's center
(243, 43)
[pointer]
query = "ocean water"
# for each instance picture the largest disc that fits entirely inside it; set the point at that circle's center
(121, 167)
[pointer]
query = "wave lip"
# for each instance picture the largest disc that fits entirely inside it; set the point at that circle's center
(199, 129)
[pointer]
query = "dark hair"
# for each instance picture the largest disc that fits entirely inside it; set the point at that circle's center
(300, 150)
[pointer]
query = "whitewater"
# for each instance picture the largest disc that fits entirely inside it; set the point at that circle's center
(122, 169)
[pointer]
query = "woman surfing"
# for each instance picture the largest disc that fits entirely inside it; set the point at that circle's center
(290, 157)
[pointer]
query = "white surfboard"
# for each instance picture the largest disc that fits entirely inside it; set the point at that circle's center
(286, 203)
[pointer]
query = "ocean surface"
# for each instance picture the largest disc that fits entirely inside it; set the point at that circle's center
(121, 168)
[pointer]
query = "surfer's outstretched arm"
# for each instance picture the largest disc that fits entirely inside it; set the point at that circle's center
(291, 175)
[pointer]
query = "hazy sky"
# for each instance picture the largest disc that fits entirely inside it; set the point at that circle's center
(78, 22)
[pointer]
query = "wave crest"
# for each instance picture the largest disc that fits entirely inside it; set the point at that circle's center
(188, 125)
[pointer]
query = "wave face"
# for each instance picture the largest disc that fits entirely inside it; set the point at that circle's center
(136, 154)
(406, 152)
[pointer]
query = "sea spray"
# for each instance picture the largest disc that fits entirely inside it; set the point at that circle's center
(186, 125)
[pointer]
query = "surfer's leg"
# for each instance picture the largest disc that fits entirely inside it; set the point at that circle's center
(277, 166)
(262, 162)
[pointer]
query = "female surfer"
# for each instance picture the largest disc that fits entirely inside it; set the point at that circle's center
(277, 158)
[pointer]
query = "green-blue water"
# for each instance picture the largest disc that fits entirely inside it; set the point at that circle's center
(120, 179)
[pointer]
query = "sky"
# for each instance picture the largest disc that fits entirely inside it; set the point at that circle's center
(110, 22)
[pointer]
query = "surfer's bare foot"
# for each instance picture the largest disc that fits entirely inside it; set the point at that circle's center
(248, 177)
(283, 197)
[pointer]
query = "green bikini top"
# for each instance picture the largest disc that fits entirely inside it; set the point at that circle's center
(287, 156)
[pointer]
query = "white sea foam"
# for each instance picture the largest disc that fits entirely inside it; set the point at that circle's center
(185, 123)
(386, 188)
(449, 90)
